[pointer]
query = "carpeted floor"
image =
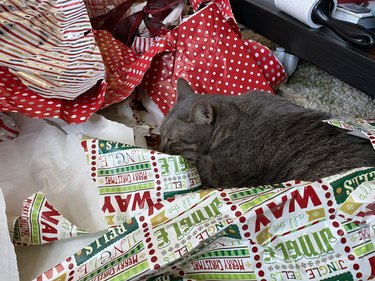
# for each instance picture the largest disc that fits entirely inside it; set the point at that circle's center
(311, 87)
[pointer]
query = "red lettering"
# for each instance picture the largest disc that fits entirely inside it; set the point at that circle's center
(84, 146)
(241, 265)
(123, 203)
(49, 239)
(107, 206)
(134, 259)
(370, 211)
(261, 219)
(146, 198)
(48, 215)
(140, 201)
(46, 228)
(372, 264)
(277, 210)
(309, 193)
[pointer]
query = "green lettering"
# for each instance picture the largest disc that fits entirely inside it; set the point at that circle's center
(174, 161)
(183, 164)
(198, 216)
(269, 255)
(185, 222)
(215, 205)
(219, 226)
(307, 247)
(281, 247)
(331, 267)
(162, 236)
(294, 251)
(327, 238)
(164, 166)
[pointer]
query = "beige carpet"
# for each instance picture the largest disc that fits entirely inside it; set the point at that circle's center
(311, 87)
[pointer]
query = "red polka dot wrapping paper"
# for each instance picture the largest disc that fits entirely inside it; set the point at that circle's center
(162, 64)
(205, 49)
(16, 97)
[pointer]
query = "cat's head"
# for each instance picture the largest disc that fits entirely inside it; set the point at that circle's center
(189, 126)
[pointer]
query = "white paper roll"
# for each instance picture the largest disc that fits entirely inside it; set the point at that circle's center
(301, 9)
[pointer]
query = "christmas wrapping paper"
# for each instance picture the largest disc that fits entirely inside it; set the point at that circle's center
(49, 47)
(365, 127)
(175, 230)
(129, 179)
(62, 74)
(50, 64)
(206, 48)
(322, 231)
(17, 97)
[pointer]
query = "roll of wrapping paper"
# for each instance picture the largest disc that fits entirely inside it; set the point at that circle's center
(316, 13)
(301, 10)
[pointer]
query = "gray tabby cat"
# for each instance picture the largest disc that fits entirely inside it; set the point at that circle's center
(256, 139)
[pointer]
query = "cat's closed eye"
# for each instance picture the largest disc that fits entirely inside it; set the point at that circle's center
(167, 144)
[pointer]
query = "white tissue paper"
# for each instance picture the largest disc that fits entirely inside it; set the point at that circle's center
(8, 261)
(301, 9)
(44, 158)
(50, 158)
(101, 128)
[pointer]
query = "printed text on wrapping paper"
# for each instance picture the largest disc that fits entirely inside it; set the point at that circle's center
(135, 200)
(277, 210)
(312, 245)
(183, 227)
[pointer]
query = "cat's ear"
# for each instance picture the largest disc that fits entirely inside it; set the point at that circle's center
(183, 89)
(202, 113)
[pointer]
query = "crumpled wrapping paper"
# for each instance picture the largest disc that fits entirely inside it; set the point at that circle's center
(51, 66)
(44, 158)
(17, 97)
(361, 127)
(302, 231)
(128, 179)
(49, 46)
(323, 230)
(205, 48)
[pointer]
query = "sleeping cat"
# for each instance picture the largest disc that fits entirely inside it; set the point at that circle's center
(257, 139)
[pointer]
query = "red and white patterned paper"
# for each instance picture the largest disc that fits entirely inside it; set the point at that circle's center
(205, 49)
(16, 97)
(49, 46)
